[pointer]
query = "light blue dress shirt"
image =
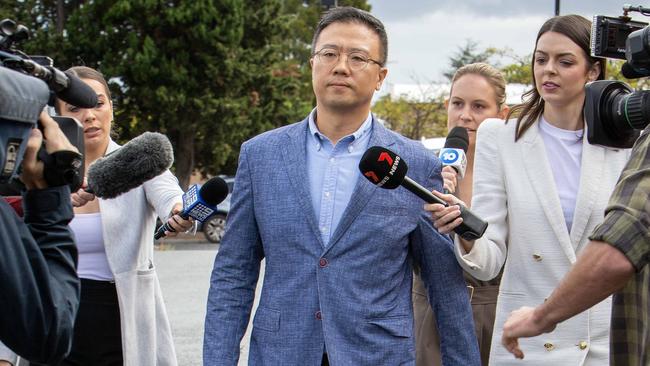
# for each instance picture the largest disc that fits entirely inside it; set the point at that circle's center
(333, 172)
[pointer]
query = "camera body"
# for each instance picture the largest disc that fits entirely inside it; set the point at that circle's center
(22, 98)
(614, 112)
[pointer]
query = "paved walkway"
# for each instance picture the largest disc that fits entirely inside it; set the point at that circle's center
(184, 266)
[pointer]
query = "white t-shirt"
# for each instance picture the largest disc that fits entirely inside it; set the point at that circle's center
(93, 263)
(564, 153)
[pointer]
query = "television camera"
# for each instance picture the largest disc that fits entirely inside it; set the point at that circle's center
(616, 113)
(27, 84)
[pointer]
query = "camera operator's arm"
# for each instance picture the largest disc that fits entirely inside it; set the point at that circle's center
(39, 291)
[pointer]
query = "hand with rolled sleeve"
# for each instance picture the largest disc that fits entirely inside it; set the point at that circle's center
(523, 322)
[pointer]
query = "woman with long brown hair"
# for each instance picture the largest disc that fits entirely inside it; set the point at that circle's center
(542, 188)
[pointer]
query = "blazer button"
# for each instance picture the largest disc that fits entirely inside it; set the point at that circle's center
(537, 257)
(323, 263)
(549, 346)
(319, 316)
(582, 345)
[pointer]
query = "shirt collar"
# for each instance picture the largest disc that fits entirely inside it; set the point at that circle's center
(355, 136)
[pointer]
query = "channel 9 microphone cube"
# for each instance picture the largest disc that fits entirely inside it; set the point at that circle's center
(195, 206)
(199, 204)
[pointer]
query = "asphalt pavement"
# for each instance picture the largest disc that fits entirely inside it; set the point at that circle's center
(184, 266)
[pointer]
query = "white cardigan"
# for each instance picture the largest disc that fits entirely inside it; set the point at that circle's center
(128, 223)
(514, 191)
(128, 226)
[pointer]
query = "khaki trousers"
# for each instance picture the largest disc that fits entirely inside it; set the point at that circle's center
(427, 340)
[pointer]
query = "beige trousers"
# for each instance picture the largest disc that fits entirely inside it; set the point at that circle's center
(427, 341)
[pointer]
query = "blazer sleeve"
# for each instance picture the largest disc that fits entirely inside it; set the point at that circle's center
(489, 202)
(234, 276)
(446, 288)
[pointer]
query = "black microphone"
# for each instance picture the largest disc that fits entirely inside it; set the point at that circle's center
(454, 152)
(388, 170)
(67, 86)
(199, 204)
(629, 72)
(139, 160)
(75, 91)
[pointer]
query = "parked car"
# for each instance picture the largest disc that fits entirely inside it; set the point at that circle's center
(214, 227)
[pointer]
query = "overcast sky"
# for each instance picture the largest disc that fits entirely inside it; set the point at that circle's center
(423, 34)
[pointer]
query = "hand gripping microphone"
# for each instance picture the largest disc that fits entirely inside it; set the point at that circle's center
(454, 152)
(199, 204)
(128, 167)
(388, 170)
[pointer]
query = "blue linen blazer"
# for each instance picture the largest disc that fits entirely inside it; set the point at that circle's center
(351, 297)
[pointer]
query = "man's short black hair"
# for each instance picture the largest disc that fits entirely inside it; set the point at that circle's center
(348, 14)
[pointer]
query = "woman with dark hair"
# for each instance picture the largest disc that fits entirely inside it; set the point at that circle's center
(122, 318)
(542, 188)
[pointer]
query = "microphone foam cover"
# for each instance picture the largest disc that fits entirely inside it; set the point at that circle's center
(457, 139)
(78, 93)
(214, 191)
(138, 161)
(383, 167)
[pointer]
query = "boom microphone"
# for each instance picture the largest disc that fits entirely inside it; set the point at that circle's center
(199, 204)
(388, 170)
(67, 86)
(74, 91)
(138, 161)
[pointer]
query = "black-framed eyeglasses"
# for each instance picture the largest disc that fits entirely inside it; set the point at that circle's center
(356, 60)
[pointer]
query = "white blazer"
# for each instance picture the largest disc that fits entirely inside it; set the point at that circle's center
(128, 226)
(514, 191)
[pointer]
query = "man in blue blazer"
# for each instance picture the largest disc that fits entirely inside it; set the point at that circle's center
(339, 251)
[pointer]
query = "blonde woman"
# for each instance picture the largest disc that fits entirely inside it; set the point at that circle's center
(478, 91)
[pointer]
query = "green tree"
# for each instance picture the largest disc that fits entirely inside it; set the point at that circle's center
(209, 74)
(467, 54)
(518, 70)
(413, 118)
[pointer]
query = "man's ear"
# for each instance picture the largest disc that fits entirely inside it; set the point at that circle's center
(381, 77)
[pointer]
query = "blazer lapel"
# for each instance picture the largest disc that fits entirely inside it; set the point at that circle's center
(363, 190)
(294, 157)
(592, 165)
(540, 176)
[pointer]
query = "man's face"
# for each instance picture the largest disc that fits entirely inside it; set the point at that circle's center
(337, 86)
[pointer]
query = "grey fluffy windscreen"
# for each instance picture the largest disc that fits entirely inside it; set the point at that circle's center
(138, 161)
